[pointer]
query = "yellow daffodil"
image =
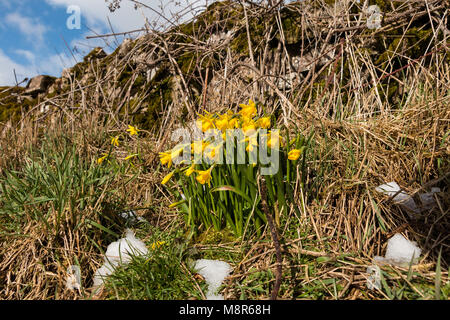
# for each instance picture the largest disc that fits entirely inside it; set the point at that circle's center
(204, 176)
(168, 156)
(248, 110)
(157, 244)
(264, 122)
(249, 128)
(294, 154)
(223, 122)
(132, 130)
(167, 178)
(115, 141)
(131, 156)
(190, 170)
(205, 122)
(211, 153)
(165, 158)
(100, 160)
(233, 123)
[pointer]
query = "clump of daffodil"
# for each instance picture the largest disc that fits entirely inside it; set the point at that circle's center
(217, 194)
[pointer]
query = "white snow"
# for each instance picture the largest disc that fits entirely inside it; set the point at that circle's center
(214, 272)
(400, 252)
(119, 253)
(392, 189)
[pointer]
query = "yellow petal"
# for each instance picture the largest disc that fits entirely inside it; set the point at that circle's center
(167, 178)
(294, 154)
(190, 170)
(130, 156)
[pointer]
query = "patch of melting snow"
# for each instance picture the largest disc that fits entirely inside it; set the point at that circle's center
(392, 189)
(214, 272)
(399, 252)
(119, 253)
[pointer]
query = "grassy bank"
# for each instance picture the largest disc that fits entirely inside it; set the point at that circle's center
(60, 205)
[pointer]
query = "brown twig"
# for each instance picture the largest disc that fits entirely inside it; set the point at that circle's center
(276, 241)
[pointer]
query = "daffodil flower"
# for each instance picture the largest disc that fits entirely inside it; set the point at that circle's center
(157, 244)
(264, 122)
(248, 110)
(204, 176)
(100, 160)
(222, 122)
(205, 122)
(190, 170)
(131, 156)
(294, 154)
(132, 130)
(212, 151)
(165, 158)
(115, 141)
(233, 123)
(252, 143)
(198, 146)
(249, 127)
(168, 177)
(274, 139)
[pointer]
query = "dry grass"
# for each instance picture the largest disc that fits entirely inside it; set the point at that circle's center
(361, 140)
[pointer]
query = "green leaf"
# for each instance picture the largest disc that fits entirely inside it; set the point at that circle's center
(232, 189)
(99, 226)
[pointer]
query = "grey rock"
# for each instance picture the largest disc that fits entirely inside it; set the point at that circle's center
(38, 85)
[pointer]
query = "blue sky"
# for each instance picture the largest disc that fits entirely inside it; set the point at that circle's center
(35, 39)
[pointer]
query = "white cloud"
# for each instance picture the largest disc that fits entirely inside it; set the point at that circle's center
(27, 54)
(32, 29)
(7, 67)
(51, 65)
(95, 13)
